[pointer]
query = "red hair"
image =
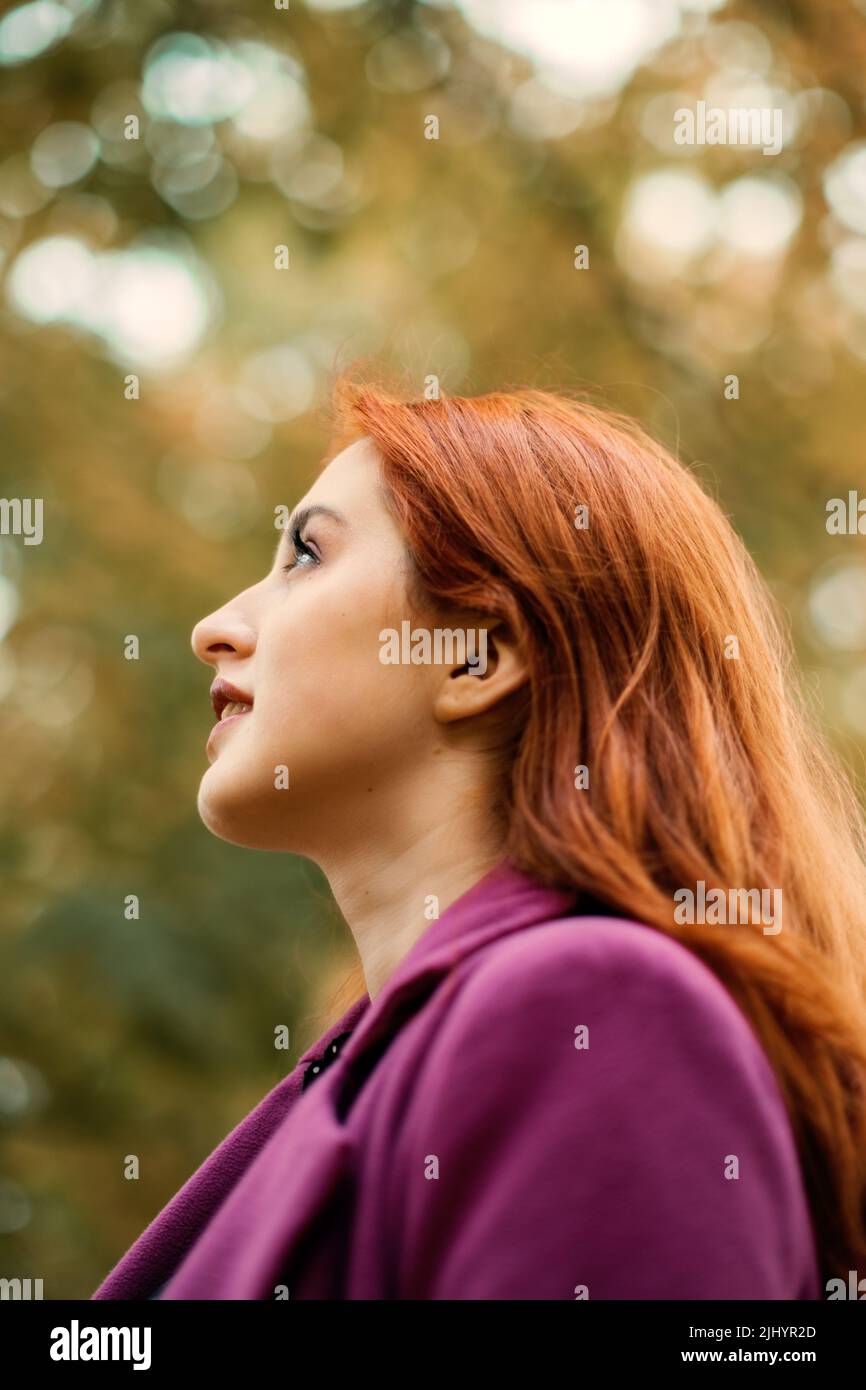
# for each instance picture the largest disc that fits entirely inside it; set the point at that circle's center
(703, 764)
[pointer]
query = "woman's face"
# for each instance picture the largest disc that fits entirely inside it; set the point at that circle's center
(332, 731)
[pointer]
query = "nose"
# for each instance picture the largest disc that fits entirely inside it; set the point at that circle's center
(225, 631)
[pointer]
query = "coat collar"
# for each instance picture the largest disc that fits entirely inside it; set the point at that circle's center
(505, 900)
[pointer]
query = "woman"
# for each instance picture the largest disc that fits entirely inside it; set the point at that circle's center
(515, 685)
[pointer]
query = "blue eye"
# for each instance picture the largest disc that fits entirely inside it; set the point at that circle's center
(303, 554)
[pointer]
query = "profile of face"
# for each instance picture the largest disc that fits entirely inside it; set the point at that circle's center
(336, 743)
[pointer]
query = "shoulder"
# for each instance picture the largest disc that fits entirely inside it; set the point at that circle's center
(603, 1020)
(625, 977)
(602, 948)
(592, 1083)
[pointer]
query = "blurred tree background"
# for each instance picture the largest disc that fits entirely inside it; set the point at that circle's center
(153, 154)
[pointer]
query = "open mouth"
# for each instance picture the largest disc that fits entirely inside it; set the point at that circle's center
(228, 700)
(234, 707)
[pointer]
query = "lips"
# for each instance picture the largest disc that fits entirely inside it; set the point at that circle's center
(228, 699)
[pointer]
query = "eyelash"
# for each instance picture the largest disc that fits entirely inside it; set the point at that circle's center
(300, 548)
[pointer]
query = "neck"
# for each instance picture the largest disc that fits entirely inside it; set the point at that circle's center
(390, 891)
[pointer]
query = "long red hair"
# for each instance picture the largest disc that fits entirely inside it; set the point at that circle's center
(703, 764)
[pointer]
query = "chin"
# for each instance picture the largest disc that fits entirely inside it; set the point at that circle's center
(226, 815)
(241, 820)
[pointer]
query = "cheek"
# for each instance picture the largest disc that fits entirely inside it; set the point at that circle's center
(318, 666)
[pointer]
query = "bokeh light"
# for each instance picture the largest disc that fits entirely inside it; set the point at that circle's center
(150, 304)
(28, 30)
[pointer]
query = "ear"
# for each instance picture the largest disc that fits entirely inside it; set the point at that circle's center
(495, 669)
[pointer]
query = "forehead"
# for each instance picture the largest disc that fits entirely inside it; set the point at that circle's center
(351, 482)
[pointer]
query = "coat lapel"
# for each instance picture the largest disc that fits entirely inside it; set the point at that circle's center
(249, 1247)
(164, 1243)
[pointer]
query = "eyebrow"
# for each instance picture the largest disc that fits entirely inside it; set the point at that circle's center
(299, 518)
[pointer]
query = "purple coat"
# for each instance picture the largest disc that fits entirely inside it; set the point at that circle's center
(538, 1105)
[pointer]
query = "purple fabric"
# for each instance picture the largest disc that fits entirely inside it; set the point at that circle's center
(467, 1144)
